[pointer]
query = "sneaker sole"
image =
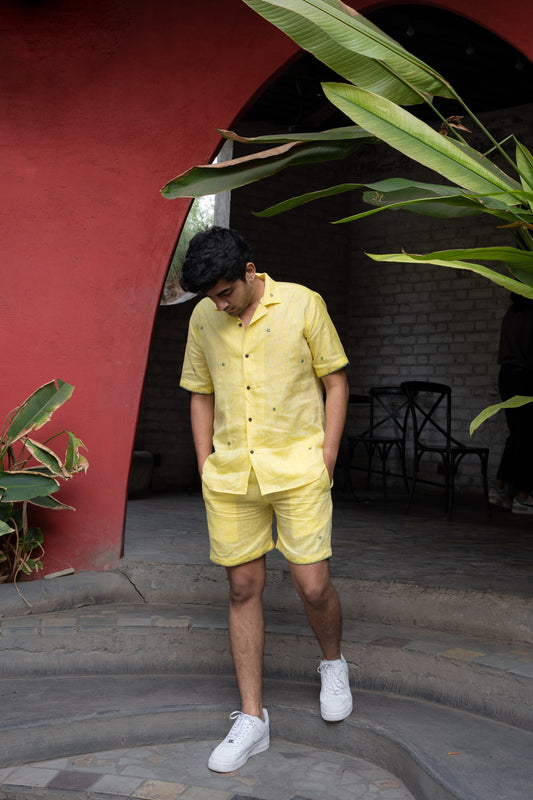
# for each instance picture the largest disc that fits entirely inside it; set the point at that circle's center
(339, 716)
(259, 747)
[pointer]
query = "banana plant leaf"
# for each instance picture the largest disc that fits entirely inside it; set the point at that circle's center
(23, 485)
(331, 135)
(354, 48)
(502, 280)
(519, 262)
(51, 503)
(443, 201)
(5, 528)
(524, 161)
(453, 160)
(37, 409)
(514, 402)
(226, 175)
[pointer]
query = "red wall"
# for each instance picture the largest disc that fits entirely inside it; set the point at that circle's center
(102, 103)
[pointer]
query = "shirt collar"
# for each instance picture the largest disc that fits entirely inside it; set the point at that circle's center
(271, 294)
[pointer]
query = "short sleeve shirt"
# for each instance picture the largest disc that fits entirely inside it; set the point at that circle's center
(269, 406)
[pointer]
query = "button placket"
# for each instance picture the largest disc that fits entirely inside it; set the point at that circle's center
(248, 399)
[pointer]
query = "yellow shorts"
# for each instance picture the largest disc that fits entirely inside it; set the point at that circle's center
(240, 526)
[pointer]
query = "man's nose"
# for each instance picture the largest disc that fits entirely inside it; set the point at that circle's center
(222, 304)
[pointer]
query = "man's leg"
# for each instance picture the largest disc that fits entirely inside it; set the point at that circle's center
(321, 604)
(246, 632)
(323, 609)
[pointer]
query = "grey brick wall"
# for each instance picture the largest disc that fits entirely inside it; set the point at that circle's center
(397, 321)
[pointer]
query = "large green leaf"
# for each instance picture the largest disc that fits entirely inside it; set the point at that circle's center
(5, 528)
(331, 135)
(502, 280)
(74, 460)
(397, 193)
(524, 161)
(226, 175)
(354, 48)
(51, 503)
(453, 160)
(37, 409)
(514, 402)
(25, 485)
(45, 456)
(519, 262)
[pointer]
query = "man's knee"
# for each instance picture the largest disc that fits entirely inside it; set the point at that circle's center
(315, 593)
(245, 583)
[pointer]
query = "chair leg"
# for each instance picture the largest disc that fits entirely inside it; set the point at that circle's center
(484, 472)
(383, 456)
(404, 468)
(450, 484)
(416, 461)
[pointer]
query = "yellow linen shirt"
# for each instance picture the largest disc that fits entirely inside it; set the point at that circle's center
(269, 407)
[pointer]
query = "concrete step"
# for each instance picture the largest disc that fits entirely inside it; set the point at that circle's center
(490, 679)
(439, 753)
(491, 616)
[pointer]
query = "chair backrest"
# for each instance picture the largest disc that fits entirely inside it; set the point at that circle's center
(430, 410)
(388, 410)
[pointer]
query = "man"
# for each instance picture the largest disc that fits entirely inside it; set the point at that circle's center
(259, 355)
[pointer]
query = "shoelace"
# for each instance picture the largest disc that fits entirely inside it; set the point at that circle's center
(240, 726)
(333, 677)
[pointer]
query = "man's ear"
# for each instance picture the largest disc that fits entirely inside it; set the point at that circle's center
(250, 271)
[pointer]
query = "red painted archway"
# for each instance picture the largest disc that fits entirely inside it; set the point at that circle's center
(102, 103)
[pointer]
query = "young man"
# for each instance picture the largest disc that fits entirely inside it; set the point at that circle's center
(259, 356)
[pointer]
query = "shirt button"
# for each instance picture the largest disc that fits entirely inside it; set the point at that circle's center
(246, 355)
(249, 419)
(251, 451)
(247, 387)
(240, 324)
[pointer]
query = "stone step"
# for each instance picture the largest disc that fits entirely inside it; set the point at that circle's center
(490, 679)
(469, 613)
(439, 753)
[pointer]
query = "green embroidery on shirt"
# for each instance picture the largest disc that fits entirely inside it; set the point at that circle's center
(223, 364)
(268, 330)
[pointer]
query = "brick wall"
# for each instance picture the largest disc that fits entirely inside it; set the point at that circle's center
(397, 321)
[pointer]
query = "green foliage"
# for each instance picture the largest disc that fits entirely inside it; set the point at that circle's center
(30, 473)
(382, 77)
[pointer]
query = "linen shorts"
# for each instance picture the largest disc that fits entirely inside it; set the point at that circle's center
(240, 526)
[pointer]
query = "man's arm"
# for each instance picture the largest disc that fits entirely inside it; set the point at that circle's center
(337, 392)
(202, 419)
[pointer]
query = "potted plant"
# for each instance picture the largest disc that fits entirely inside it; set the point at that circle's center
(30, 474)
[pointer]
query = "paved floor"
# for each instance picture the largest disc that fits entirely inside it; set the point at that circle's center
(286, 772)
(373, 540)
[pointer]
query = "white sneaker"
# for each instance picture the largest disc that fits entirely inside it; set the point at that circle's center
(335, 696)
(248, 736)
(524, 506)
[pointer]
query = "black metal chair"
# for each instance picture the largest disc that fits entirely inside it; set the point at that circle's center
(386, 432)
(430, 408)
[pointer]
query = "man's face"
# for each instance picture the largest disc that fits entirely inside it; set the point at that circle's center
(233, 297)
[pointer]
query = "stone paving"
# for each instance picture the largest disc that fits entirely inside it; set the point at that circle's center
(372, 540)
(286, 772)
